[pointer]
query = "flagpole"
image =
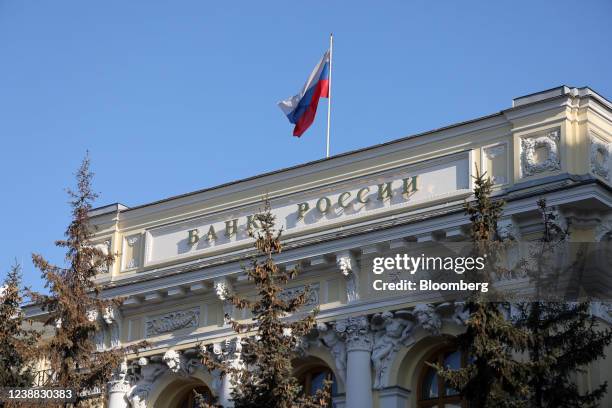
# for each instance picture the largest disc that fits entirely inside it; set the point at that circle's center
(331, 55)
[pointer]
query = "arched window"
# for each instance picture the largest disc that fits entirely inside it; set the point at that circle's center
(188, 400)
(313, 379)
(432, 390)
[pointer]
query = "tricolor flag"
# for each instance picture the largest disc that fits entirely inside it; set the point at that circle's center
(302, 108)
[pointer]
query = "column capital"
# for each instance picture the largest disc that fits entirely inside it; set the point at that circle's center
(357, 333)
(119, 386)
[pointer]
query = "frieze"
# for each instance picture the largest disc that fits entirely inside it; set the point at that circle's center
(600, 157)
(399, 188)
(531, 162)
(169, 322)
(311, 300)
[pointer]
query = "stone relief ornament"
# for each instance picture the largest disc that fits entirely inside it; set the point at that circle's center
(600, 157)
(348, 267)
(143, 375)
(92, 315)
(312, 300)
(112, 318)
(427, 317)
(508, 230)
(99, 335)
(147, 372)
(223, 289)
(174, 361)
(356, 332)
(330, 338)
(169, 322)
(106, 248)
(531, 163)
(228, 351)
(391, 332)
(559, 223)
(119, 382)
(133, 241)
(460, 314)
(138, 395)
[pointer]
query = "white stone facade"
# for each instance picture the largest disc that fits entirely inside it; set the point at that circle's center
(337, 214)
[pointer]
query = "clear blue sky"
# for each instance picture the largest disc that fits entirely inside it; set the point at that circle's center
(175, 96)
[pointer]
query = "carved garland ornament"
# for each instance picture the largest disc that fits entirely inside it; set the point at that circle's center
(312, 300)
(600, 157)
(133, 242)
(182, 319)
(529, 160)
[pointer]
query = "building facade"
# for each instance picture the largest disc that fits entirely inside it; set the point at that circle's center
(177, 256)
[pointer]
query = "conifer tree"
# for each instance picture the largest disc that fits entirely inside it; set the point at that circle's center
(17, 341)
(73, 296)
(563, 336)
(492, 377)
(264, 377)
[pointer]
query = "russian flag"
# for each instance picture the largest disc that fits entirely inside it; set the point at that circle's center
(302, 108)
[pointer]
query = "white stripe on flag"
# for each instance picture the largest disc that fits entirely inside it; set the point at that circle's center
(289, 105)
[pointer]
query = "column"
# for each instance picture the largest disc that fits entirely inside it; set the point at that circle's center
(225, 392)
(228, 352)
(394, 397)
(358, 370)
(117, 394)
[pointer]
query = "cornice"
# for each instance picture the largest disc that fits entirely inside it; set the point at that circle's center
(559, 190)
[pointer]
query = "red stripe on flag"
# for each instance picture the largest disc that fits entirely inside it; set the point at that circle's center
(321, 91)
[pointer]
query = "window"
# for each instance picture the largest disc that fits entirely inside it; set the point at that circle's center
(432, 391)
(313, 379)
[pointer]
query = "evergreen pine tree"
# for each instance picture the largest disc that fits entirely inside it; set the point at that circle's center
(73, 296)
(492, 377)
(17, 341)
(563, 336)
(264, 378)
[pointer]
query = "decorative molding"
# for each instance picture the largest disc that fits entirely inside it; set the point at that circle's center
(175, 362)
(119, 386)
(119, 382)
(134, 242)
(529, 144)
(392, 330)
(169, 322)
(508, 230)
(356, 332)
(104, 246)
(312, 300)
(227, 352)
(331, 338)
(347, 264)
(113, 319)
(600, 157)
(491, 152)
(427, 318)
(138, 395)
(223, 289)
